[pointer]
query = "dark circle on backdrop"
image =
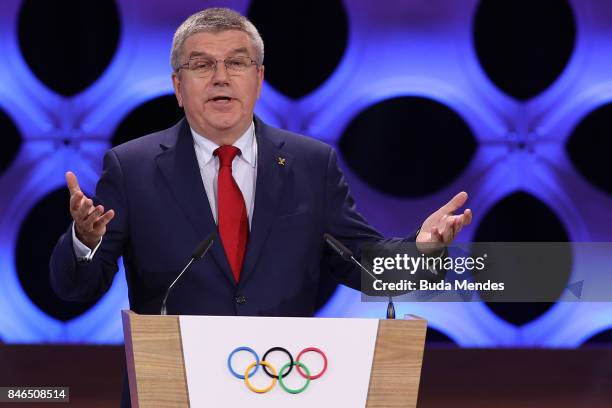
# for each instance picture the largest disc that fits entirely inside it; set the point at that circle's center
(11, 141)
(156, 114)
(408, 146)
(304, 46)
(37, 237)
(438, 338)
(520, 217)
(589, 147)
(603, 338)
(68, 43)
(523, 45)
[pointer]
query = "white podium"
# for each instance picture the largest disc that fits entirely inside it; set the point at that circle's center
(195, 361)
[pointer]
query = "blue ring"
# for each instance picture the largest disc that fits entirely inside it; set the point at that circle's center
(229, 362)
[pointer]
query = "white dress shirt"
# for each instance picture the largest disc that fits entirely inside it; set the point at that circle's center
(244, 168)
(244, 171)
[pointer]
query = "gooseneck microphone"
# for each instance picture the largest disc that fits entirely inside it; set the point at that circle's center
(347, 255)
(197, 254)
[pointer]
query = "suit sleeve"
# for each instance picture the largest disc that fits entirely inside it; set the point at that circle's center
(345, 223)
(76, 280)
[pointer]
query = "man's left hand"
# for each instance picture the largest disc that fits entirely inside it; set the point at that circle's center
(441, 227)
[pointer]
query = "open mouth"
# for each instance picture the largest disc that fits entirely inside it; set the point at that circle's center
(221, 98)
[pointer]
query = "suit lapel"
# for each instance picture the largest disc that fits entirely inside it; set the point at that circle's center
(179, 165)
(273, 166)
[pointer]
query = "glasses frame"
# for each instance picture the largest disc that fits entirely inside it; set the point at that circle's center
(185, 65)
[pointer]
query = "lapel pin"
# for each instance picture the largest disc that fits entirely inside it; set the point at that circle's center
(281, 161)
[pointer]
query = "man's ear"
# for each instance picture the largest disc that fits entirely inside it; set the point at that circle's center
(176, 83)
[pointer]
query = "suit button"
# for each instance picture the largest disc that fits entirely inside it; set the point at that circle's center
(240, 300)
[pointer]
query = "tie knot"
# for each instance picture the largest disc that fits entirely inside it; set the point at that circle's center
(226, 154)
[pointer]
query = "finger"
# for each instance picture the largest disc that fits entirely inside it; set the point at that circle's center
(85, 207)
(99, 225)
(460, 222)
(455, 203)
(79, 202)
(72, 182)
(448, 231)
(92, 217)
(458, 226)
(92, 210)
(452, 225)
(463, 220)
(436, 235)
(467, 216)
(75, 201)
(84, 210)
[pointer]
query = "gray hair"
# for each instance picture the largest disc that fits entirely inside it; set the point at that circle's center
(214, 20)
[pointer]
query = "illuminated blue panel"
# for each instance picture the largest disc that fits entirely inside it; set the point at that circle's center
(388, 55)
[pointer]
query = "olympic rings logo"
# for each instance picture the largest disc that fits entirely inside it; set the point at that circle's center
(271, 371)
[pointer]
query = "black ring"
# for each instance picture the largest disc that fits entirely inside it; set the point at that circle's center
(284, 351)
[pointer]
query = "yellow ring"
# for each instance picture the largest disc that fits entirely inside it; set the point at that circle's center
(259, 390)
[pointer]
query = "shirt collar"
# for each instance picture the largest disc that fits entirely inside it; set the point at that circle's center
(246, 144)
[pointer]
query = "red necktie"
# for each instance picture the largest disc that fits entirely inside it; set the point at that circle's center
(231, 211)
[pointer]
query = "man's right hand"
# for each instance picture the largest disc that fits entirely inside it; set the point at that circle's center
(89, 221)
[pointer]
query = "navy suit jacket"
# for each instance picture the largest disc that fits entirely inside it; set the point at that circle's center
(162, 212)
(154, 185)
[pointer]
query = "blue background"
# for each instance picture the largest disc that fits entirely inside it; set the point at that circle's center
(385, 57)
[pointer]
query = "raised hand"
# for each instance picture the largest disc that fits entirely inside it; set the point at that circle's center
(441, 227)
(89, 221)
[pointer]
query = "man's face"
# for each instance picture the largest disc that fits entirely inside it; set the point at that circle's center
(219, 105)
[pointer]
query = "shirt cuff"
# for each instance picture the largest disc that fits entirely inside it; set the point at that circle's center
(82, 251)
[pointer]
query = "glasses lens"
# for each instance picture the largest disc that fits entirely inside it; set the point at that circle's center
(237, 64)
(201, 66)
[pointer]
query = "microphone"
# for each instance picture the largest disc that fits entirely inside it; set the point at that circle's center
(198, 253)
(347, 255)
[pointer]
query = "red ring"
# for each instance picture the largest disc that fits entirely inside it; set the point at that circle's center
(316, 350)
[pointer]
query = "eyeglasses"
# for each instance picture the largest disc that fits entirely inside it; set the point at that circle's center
(204, 67)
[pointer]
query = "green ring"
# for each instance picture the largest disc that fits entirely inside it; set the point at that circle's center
(282, 384)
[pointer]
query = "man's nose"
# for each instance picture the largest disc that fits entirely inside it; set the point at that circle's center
(220, 75)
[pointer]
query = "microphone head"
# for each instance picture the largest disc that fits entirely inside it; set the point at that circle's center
(203, 246)
(337, 246)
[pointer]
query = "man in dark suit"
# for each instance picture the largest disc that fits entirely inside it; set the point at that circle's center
(270, 194)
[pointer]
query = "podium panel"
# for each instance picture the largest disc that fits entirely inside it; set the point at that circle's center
(181, 361)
